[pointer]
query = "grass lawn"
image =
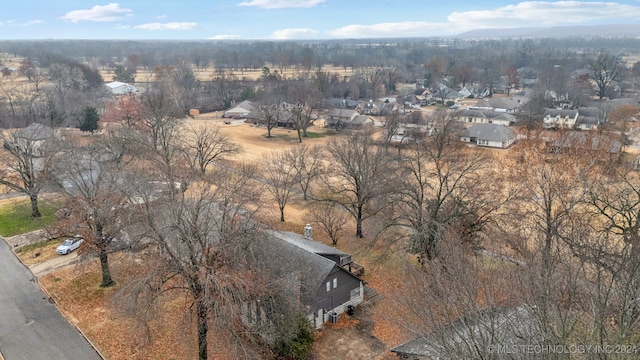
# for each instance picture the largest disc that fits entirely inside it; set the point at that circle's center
(15, 217)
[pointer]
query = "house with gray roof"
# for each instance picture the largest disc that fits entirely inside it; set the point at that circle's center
(502, 104)
(346, 119)
(322, 277)
(241, 110)
(473, 115)
(586, 142)
(475, 336)
(589, 118)
(489, 135)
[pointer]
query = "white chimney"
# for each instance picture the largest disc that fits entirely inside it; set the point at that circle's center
(308, 232)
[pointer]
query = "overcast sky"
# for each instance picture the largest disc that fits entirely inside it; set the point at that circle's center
(294, 19)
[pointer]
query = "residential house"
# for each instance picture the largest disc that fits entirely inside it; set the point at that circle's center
(31, 139)
(489, 135)
(474, 336)
(241, 110)
(560, 119)
(323, 279)
(369, 108)
(587, 142)
(382, 107)
(341, 103)
(424, 98)
(346, 118)
(464, 92)
(588, 118)
(478, 116)
(501, 104)
(120, 88)
(445, 94)
(283, 118)
(528, 76)
(359, 122)
(500, 88)
(407, 133)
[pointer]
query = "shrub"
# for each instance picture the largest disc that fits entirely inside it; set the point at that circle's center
(296, 344)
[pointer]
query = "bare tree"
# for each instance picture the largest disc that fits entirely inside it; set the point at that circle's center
(391, 124)
(270, 115)
(204, 145)
(307, 162)
(305, 104)
(553, 176)
(330, 218)
(606, 70)
(201, 234)
(434, 191)
(93, 181)
(614, 254)
(33, 73)
(280, 176)
(27, 161)
(160, 113)
(463, 74)
(358, 176)
(454, 311)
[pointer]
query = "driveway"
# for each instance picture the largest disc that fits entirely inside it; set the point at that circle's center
(32, 328)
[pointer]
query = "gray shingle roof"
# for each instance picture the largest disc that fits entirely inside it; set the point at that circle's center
(287, 256)
(505, 327)
(490, 132)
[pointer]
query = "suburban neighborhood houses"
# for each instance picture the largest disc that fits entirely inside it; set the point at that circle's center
(347, 199)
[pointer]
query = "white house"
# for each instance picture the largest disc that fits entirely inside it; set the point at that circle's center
(120, 88)
(490, 135)
(560, 119)
(241, 110)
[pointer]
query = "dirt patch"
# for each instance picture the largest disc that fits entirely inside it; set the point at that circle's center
(253, 139)
(350, 338)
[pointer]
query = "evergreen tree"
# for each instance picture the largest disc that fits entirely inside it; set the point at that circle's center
(89, 120)
(122, 74)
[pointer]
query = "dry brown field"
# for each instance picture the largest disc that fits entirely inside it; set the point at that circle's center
(253, 139)
(146, 75)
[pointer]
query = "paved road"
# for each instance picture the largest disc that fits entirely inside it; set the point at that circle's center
(31, 328)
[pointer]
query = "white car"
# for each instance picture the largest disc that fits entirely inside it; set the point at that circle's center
(69, 245)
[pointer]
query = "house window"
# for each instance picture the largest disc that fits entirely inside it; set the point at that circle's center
(335, 283)
(328, 286)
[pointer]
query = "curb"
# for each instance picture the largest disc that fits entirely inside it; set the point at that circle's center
(51, 299)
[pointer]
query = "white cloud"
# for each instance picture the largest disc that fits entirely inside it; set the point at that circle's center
(161, 17)
(106, 13)
(32, 22)
(523, 14)
(168, 26)
(401, 29)
(279, 4)
(225, 37)
(544, 13)
(299, 33)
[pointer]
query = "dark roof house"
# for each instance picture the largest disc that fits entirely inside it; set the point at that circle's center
(474, 337)
(346, 118)
(322, 274)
